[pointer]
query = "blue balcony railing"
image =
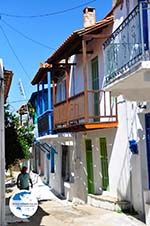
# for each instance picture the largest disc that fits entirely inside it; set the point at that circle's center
(128, 44)
(45, 123)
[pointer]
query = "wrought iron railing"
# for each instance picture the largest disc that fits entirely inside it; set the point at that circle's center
(128, 44)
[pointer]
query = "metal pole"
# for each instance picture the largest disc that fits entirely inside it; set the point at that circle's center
(2, 148)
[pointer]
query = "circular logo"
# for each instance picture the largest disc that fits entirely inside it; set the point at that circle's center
(23, 204)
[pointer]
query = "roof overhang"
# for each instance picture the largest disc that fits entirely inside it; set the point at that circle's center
(7, 82)
(71, 46)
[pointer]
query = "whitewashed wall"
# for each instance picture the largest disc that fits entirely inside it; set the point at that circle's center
(122, 11)
(127, 179)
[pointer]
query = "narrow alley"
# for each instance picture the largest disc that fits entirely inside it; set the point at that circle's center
(53, 211)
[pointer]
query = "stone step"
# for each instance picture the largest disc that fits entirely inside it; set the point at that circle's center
(109, 203)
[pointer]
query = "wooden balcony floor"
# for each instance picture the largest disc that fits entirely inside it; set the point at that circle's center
(87, 126)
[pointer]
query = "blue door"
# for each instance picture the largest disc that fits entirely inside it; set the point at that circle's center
(147, 126)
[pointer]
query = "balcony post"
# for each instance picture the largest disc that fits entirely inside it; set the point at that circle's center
(141, 26)
(49, 91)
(67, 90)
(49, 102)
(85, 74)
(38, 99)
(43, 102)
(54, 101)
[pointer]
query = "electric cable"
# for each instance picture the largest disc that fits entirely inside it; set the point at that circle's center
(25, 36)
(19, 61)
(46, 14)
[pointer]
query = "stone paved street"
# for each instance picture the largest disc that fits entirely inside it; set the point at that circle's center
(55, 212)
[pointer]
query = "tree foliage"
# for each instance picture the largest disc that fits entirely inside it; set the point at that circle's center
(18, 139)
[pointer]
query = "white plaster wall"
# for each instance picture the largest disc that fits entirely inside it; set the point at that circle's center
(55, 178)
(97, 47)
(126, 175)
(121, 12)
(143, 150)
(80, 179)
(79, 79)
(124, 167)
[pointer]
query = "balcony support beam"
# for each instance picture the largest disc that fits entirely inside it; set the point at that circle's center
(85, 74)
(38, 99)
(67, 88)
(50, 118)
(43, 102)
(49, 91)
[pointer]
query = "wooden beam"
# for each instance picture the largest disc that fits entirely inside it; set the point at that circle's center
(48, 66)
(96, 36)
(87, 52)
(67, 89)
(65, 64)
(101, 125)
(85, 74)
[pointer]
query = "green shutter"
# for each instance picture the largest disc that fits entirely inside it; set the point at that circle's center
(89, 163)
(104, 163)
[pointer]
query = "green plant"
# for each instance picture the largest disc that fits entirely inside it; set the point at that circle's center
(18, 139)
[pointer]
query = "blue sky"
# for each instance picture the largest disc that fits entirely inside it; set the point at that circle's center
(25, 19)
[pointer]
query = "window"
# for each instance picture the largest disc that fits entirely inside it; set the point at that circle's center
(61, 91)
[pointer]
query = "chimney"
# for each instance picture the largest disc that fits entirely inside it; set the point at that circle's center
(89, 16)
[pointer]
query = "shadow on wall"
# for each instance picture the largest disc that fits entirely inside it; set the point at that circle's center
(124, 183)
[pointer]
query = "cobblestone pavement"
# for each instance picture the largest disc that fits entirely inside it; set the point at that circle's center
(56, 212)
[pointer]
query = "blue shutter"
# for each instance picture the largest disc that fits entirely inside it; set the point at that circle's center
(145, 23)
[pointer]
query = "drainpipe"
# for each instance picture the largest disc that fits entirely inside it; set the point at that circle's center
(2, 149)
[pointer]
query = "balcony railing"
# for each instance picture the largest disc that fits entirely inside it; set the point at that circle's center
(128, 44)
(45, 123)
(96, 107)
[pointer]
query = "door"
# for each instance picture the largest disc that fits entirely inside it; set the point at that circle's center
(95, 86)
(104, 163)
(147, 126)
(89, 164)
(65, 171)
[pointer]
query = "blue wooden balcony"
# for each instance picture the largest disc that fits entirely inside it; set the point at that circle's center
(45, 123)
(127, 55)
